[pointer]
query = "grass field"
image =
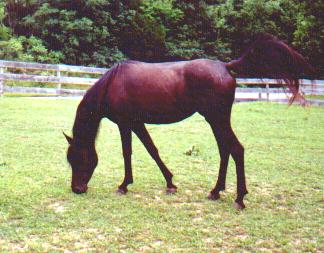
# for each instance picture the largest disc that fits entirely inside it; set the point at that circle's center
(284, 168)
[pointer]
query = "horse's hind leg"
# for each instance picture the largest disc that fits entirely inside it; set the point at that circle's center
(145, 138)
(228, 144)
(126, 137)
(224, 153)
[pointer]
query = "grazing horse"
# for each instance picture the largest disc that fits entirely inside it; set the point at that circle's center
(134, 93)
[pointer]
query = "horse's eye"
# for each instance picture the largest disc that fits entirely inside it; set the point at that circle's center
(73, 156)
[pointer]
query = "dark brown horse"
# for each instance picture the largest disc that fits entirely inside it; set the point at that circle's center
(134, 93)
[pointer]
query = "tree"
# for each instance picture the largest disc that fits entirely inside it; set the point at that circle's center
(102, 32)
(80, 30)
(21, 47)
(308, 36)
(146, 30)
(4, 30)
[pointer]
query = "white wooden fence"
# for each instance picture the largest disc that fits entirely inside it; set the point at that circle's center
(50, 73)
(66, 74)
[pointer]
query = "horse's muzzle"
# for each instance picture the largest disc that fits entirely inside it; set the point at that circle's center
(80, 189)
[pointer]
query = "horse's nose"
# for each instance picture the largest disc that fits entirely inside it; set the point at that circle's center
(79, 189)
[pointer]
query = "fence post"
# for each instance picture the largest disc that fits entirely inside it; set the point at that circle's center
(59, 85)
(1, 82)
(268, 92)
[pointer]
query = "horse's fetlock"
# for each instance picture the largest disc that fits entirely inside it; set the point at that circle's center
(220, 188)
(130, 181)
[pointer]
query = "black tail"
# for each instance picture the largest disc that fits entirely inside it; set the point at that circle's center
(269, 57)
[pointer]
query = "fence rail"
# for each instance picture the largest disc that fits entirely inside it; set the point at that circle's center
(59, 74)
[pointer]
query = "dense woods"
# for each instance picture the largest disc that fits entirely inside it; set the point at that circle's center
(101, 32)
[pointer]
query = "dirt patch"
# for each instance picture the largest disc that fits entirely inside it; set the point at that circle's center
(57, 207)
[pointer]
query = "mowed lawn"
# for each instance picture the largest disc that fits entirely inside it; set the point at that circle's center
(284, 149)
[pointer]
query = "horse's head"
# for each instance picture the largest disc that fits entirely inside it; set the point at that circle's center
(83, 161)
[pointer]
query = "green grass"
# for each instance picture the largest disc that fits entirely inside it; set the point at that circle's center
(319, 97)
(284, 169)
(34, 95)
(28, 95)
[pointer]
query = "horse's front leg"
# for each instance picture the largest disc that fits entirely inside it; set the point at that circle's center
(145, 138)
(126, 138)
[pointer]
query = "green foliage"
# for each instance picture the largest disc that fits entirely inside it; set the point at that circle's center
(309, 33)
(82, 31)
(194, 35)
(4, 31)
(146, 29)
(23, 48)
(101, 32)
(28, 49)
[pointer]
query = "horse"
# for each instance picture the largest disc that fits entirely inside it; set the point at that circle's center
(132, 94)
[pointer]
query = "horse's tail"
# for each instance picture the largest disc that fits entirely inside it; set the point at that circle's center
(269, 57)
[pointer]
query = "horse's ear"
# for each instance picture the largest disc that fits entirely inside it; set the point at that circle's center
(68, 138)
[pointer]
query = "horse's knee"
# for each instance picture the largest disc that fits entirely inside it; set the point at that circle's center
(224, 154)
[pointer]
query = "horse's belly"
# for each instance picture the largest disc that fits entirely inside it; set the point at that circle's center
(162, 111)
(163, 118)
(153, 115)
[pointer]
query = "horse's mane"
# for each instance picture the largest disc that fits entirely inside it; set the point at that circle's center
(96, 97)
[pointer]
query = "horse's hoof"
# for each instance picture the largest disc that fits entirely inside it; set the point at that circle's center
(171, 190)
(121, 191)
(213, 196)
(239, 206)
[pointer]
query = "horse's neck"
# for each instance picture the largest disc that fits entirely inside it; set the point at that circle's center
(86, 124)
